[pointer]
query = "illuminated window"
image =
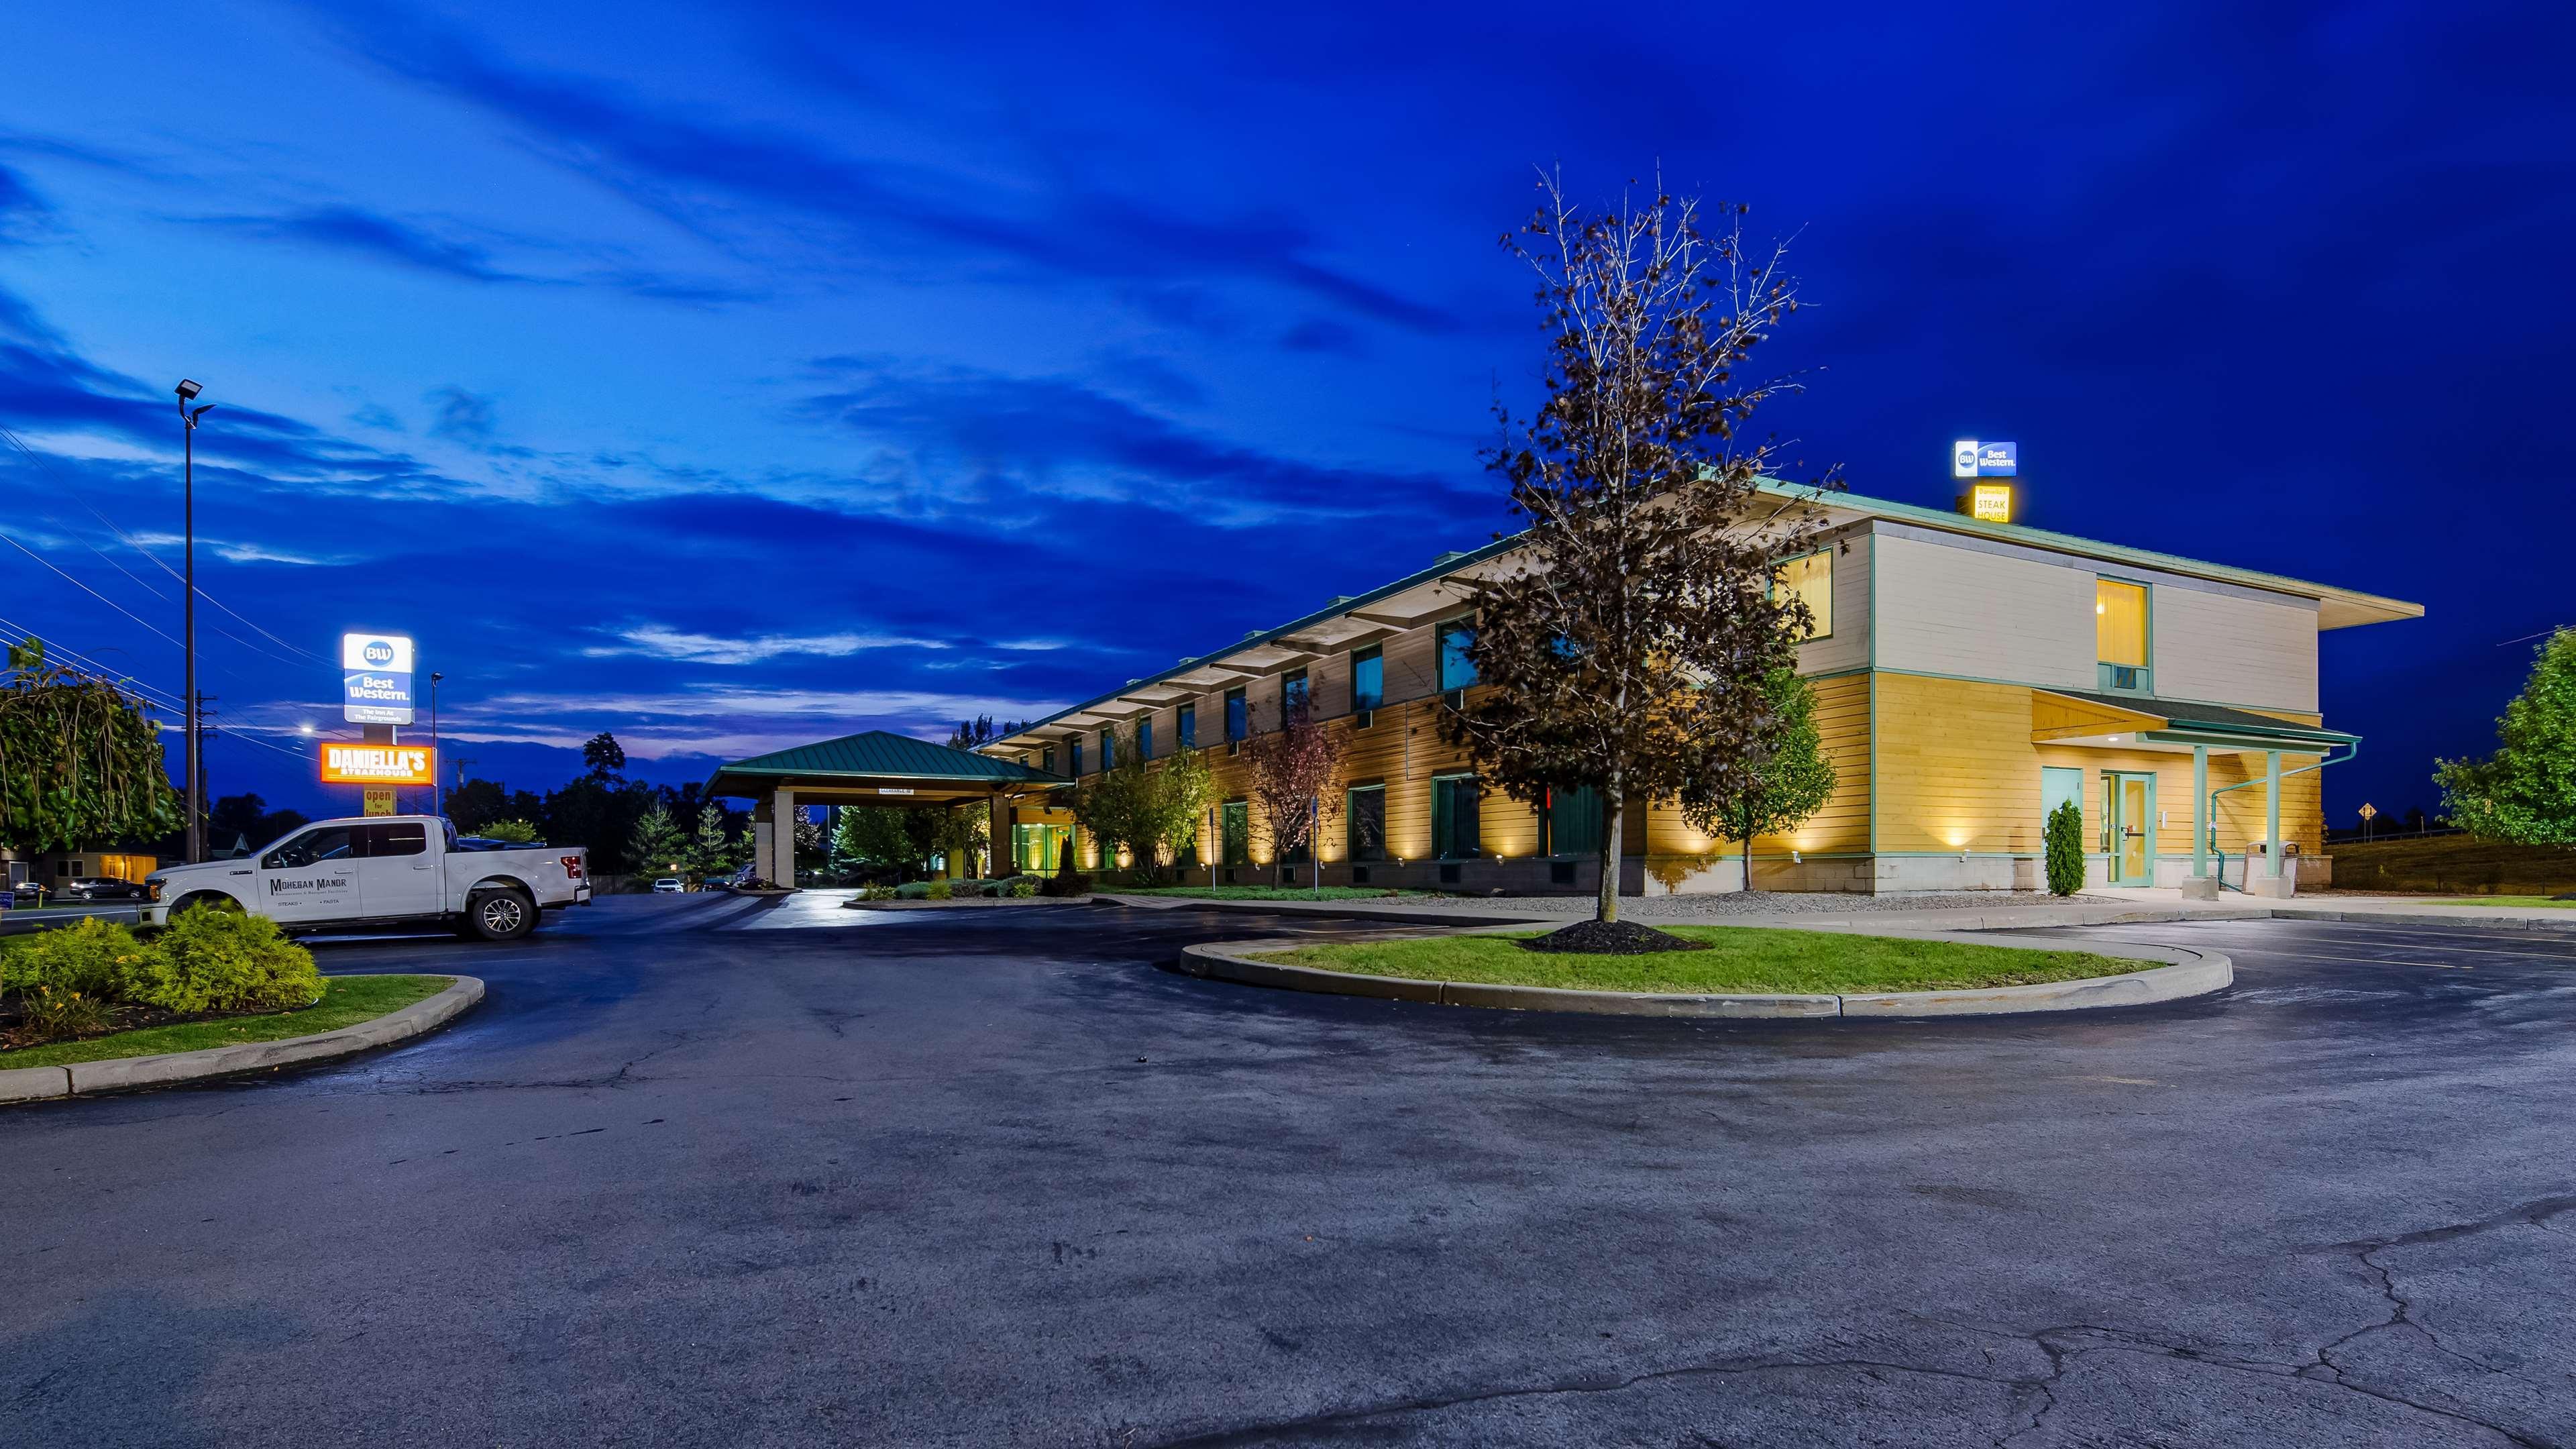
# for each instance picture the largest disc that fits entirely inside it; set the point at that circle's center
(2119, 622)
(2120, 634)
(1811, 578)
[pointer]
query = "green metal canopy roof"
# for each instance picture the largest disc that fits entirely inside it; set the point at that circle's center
(855, 761)
(2216, 720)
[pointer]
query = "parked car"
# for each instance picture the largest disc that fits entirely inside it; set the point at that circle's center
(382, 870)
(102, 888)
(670, 885)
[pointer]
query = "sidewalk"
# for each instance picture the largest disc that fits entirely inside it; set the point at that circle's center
(2011, 911)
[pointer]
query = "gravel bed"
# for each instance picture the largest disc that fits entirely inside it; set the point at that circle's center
(1761, 903)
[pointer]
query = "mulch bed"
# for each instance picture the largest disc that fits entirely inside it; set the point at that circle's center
(124, 1016)
(1609, 938)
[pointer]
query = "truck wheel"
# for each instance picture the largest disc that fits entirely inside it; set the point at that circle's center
(500, 915)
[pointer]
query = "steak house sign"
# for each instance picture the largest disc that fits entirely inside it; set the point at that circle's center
(378, 765)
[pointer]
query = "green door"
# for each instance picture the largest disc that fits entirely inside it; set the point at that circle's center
(2133, 828)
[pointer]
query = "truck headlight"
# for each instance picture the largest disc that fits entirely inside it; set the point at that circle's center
(152, 886)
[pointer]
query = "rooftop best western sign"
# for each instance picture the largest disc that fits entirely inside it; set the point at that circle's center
(375, 672)
(378, 765)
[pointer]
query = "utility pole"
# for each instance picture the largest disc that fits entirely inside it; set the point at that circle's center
(188, 521)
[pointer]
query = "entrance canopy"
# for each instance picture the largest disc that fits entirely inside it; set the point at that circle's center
(878, 768)
(2081, 717)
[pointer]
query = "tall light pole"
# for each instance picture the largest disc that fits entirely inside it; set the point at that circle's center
(435, 808)
(188, 512)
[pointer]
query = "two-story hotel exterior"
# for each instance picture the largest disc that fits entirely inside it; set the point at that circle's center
(1969, 676)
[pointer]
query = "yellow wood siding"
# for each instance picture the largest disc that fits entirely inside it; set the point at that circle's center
(1840, 827)
(1955, 765)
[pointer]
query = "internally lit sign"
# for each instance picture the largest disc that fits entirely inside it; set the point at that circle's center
(375, 676)
(386, 765)
(1991, 502)
(1972, 459)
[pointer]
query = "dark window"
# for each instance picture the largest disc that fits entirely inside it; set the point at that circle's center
(1144, 739)
(1365, 822)
(1074, 749)
(377, 842)
(1109, 749)
(1235, 832)
(1570, 822)
(1293, 697)
(313, 847)
(1368, 678)
(1457, 671)
(1238, 718)
(1185, 726)
(1046, 759)
(1455, 830)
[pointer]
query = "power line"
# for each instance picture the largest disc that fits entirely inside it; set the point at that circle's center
(152, 694)
(84, 588)
(129, 541)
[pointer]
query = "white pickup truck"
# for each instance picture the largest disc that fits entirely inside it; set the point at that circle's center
(383, 870)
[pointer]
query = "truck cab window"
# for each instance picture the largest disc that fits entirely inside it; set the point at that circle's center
(329, 842)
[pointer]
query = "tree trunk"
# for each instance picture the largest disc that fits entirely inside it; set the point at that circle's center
(1748, 847)
(1613, 806)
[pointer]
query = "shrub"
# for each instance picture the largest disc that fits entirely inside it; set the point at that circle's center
(1066, 883)
(92, 959)
(876, 893)
(940, 890)
(1023, 886)
(53, 1015)
(913, 890)
(2064, 838)
(225, 961)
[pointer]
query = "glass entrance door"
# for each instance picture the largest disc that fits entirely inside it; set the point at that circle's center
(2133, 828)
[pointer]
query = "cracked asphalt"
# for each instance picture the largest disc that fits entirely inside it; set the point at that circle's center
(704, 1172)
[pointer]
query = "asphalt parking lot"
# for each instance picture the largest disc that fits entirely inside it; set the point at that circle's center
(701, 1172)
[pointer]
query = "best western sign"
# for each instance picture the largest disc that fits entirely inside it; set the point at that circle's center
(378, 765)
(1972, 459)
(375, 672)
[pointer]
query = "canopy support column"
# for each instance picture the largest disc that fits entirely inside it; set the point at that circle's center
(780, 865)
(2199, 810)
(2272, 813)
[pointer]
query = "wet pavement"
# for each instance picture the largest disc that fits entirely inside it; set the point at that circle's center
(702, 1170)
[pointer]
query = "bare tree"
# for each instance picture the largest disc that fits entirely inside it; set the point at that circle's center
(1295, 772)
(1626, 645)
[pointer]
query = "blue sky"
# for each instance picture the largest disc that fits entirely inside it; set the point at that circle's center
(731, 376)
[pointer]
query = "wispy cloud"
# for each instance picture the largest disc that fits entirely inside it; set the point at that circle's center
(676, 160)
(658, 642)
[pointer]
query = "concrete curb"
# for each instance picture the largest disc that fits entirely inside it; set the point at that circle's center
(120, 1074)
(2185, 972)
(2009, 917)
(964, 903)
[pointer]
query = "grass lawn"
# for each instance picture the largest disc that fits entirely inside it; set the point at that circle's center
(2548, 901)
(1749, 959)
(1269, 893)
(346, 1001)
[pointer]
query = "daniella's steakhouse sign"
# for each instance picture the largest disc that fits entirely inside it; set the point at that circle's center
(378, 765)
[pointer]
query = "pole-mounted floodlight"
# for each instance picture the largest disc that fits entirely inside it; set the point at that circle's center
(188, 418)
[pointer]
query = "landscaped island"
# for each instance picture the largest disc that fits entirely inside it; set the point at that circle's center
(346, 1001)
(1751, 960)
